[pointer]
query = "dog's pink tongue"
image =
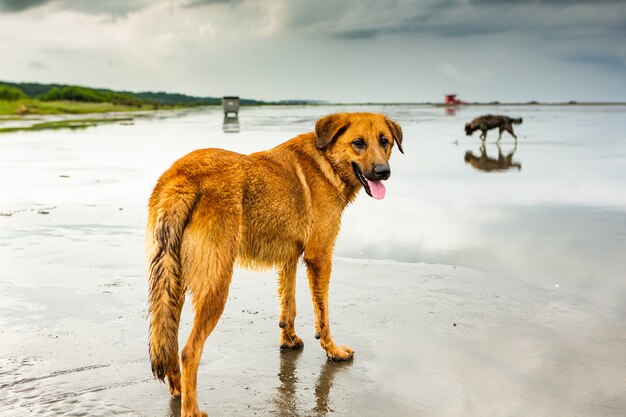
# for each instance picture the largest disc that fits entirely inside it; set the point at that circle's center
(377, 188)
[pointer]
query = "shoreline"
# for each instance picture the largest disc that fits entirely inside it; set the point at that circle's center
(79, 115)
(24, 108)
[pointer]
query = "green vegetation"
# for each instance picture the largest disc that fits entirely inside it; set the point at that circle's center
(89, 95)
(35, 98)
(57, 99)
(11, 94)
(30, 106)
(66, 124)
(173, 99)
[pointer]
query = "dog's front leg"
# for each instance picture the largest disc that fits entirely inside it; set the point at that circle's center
(287, 295)
(318, 270)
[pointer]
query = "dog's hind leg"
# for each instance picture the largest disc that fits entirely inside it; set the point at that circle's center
(208, 254)
(499, 135)
(287, 294)
(510, 130)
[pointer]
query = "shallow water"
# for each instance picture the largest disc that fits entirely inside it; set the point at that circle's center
(463, 292)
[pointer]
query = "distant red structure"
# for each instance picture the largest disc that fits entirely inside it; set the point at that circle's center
(451, 100)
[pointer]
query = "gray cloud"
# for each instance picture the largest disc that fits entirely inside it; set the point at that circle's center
(427, 24)
(20, 5)
(601, 59)
(559, 30)
(368, 19)
(111, 8)
(360, 33)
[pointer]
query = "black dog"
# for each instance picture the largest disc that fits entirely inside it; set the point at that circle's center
(487, 122)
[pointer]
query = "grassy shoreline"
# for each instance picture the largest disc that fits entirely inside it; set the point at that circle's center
(66, 124)
(27, 107)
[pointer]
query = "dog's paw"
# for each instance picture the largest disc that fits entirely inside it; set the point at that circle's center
(174, 386)
(339, 353)
(175, 393)
(291, 342)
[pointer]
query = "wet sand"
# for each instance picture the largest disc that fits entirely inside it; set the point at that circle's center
(462, 293)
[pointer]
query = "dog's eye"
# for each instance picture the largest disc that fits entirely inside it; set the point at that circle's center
(359, 144)
(384, 142)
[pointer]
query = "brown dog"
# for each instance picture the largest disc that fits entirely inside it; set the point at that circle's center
(488, 122)
(268, 209)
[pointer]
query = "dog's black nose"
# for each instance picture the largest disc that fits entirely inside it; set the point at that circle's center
(382, 172)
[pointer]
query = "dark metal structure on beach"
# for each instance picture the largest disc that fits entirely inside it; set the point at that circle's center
(231, 106)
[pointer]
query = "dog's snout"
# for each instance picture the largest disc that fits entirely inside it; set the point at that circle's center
(382, 172)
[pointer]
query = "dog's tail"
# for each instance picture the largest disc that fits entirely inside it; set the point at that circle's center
(517, 121)
(169, 214)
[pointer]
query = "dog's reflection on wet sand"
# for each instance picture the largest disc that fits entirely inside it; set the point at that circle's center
(484, 162)
(287, 396)
(286, 399)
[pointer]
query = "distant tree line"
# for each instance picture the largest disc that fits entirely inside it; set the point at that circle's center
(11, 93)
(61, 92)
(178, 99)
(89, 95)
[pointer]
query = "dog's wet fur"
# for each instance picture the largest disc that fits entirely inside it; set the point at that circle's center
(214, 208)
(490, 121)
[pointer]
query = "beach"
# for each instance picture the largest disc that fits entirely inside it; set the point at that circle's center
(463, 292)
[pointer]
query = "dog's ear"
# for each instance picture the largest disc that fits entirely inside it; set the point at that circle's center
(329, 128)
(396, 132)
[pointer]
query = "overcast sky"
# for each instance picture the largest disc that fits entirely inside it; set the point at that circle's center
(336, 50)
